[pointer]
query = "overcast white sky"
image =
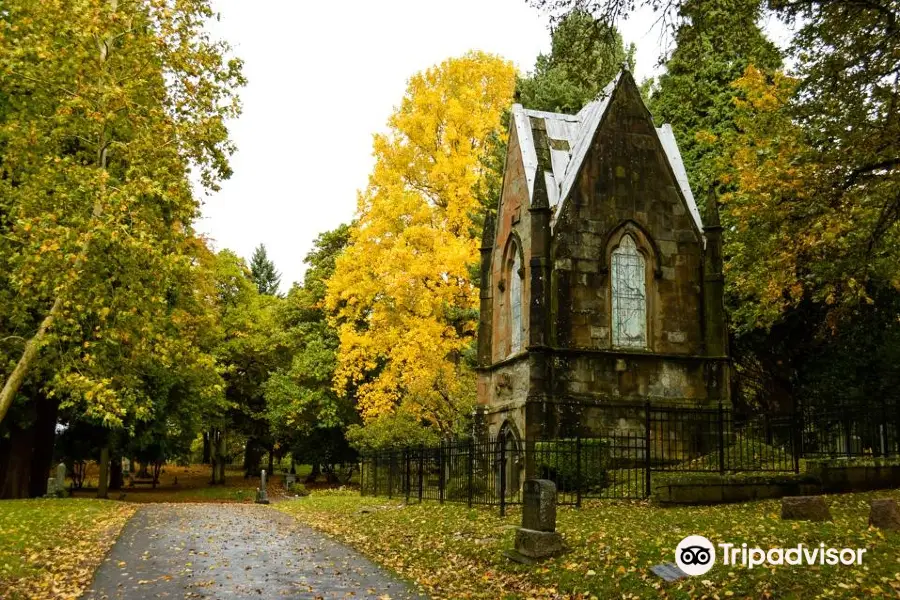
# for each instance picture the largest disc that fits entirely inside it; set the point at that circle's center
(323, 77)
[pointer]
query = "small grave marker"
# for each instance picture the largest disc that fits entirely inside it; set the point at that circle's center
(61, 476)
(537, 537)
(804, 508)
(261, 495)
(884, 514)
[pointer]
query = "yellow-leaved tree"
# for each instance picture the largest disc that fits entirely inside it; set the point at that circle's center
(401, 295)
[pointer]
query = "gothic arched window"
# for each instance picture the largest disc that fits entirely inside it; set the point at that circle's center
(629, 296)
(515, 302)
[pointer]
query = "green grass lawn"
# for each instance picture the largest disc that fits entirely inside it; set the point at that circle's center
(50, 548)
(455, 552)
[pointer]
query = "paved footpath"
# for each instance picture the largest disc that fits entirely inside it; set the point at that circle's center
(230, 551)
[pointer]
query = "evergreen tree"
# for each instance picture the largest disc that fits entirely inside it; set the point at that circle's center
(585, 55)
(715, 42)
(266, 278)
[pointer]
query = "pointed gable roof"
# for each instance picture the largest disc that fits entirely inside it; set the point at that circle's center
(562, 142)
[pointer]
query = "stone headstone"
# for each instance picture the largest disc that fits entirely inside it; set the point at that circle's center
(51, 486)
(537, 537)
(539, 505)
(805, 508)
(289, 480)
(885, 514)
(61, 476)
(261, 495)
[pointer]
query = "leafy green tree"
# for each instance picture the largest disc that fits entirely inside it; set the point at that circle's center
(715, 42)
(266, 277)
(302, 404)
(107, 106)
(585, 55)
(109, 103)
(247, 353)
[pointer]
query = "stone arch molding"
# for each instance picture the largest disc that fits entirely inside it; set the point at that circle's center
(512, 241)
(646, 245)
(509, 430)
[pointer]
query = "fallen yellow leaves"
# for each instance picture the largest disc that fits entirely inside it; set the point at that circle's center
(453, 552)
(49, 549)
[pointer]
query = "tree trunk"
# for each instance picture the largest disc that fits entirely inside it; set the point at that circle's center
(103, 483)
(271, 460)
(314, 474)
(16, 463)
(213, 453)
(116, 479)
(44, 438)
(207, 457)
(221, 452)
(14, 382)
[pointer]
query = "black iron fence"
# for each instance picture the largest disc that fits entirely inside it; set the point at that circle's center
(621, 460)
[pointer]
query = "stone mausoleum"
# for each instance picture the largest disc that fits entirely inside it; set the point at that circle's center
(600, 283)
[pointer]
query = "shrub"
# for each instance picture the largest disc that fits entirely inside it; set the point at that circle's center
(457, 488)
(558, 460)
(298, 489)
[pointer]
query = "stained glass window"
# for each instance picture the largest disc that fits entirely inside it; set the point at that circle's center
(515, 303)
(629, 296)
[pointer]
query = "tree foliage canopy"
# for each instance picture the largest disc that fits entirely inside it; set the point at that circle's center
(265, 275)
(715, 42)
(585, 55)
(108, 105)
(402, 297)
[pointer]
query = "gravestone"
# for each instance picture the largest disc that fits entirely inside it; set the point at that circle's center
(884, 514)
(537, 537)
(56, 486)
(804, 508)
(61, 476)
(289, 480)
(261, 495)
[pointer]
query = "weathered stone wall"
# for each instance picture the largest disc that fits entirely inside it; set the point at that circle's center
(572, 372)
(512, 221)
(626, 179)
(503, 389)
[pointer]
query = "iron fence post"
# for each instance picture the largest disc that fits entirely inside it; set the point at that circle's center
(392, 457)
(847, 438)
(407, 483)
(647, 449)
(441, 475)
(470, 473)
(721, 438)
(502, 442)
(578, 471)
(896, 442)
(797, 435)
(375, 483)
(421, 471)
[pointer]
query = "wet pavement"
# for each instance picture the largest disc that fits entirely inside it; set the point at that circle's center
(231, 551)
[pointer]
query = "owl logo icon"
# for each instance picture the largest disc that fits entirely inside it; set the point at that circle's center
(695, 555)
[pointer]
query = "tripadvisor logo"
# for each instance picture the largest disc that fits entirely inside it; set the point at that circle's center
(695, 555)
